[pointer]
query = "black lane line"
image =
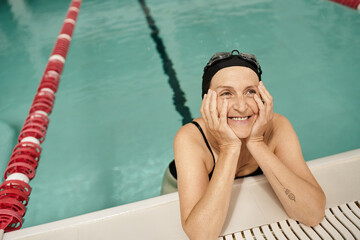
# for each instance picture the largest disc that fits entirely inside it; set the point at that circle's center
(178, 95)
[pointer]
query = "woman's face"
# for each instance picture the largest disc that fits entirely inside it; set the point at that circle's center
(238, 85)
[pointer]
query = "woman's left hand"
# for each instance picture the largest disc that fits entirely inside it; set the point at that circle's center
(264, 115)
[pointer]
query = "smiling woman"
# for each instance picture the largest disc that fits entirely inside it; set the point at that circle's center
(238, 135)
(238, 86)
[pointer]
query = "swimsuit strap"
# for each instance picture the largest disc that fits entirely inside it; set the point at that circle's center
(207, 144)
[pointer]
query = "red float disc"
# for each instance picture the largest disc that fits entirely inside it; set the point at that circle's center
(30, 145)
(10, 220)
(51, 74)
(67, 28)
(44, 100)
(75, 4)
(48, 83)
(37, 120)
(32, 133)
(25, 159)
(27, 151)
(20, 167)
(41, 107)
(45, 95)
(32, 125)
(55, 65)
(16, 184)
(72, 14)
(61, 47)
(15, 194)
(14, 205)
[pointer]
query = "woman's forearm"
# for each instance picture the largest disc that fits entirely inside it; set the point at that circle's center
(206, 219)
(301, 200)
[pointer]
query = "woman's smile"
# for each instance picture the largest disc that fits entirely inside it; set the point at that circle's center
(239, 120)
(241, 125)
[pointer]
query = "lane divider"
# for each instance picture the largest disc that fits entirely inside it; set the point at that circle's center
(179, 99)
(21, 169)
(355, 4)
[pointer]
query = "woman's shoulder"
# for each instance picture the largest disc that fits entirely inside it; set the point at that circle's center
(189, 143)
(280, 121)
(190, 137)
(281, 129)
(278, 125)
(189, 132)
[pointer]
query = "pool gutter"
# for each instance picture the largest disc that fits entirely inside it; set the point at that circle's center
(253, 203)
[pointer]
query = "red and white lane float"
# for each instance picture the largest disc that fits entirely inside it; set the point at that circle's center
(15, 190)
(355, 4)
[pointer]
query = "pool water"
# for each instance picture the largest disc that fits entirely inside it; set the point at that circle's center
(115, 116)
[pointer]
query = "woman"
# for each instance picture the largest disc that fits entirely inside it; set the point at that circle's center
(238, 135)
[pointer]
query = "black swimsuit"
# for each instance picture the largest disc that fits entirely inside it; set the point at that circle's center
(172, 166)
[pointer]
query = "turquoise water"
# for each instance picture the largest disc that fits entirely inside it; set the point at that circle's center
(110, 134)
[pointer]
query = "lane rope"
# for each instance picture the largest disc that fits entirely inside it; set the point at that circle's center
(355, 4)
(21, 169)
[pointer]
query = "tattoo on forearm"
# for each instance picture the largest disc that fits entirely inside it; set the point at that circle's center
(288, 193)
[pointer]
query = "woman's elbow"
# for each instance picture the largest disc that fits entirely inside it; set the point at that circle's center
(198, 233)
(315, 219)
(317, 213)
(310, 219)
(201, 236)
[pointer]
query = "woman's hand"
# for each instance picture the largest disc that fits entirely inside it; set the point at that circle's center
(264, 116)
(216, 122)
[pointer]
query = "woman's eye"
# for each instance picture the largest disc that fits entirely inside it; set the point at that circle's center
(225, 94)
(250, 92)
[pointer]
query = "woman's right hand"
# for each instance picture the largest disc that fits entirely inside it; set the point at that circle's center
(216, 122)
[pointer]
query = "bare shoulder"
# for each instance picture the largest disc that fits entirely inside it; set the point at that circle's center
(185, 131)
(277, 128)
(186, 135)
(282, 128)
(280, 121)
(287, 146)
(188, 140)
(283, 139)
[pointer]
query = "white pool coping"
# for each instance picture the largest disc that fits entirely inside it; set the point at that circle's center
(253, 203)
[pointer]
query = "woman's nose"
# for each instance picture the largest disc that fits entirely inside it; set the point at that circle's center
(240, 104)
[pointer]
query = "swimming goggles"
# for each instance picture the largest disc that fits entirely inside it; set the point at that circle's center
(225, 55)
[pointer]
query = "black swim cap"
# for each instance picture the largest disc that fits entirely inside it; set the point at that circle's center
(227, 59)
